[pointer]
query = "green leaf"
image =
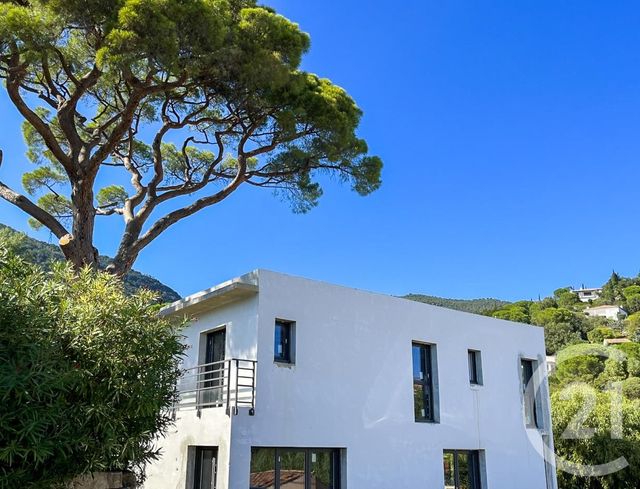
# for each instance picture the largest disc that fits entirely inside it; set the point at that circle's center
(112, 196)
(43, 177)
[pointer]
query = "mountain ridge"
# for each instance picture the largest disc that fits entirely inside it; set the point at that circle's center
(475, 306)
(44, 254)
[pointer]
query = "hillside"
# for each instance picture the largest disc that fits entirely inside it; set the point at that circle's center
(567, 320)
(44, 254)
(476, 306)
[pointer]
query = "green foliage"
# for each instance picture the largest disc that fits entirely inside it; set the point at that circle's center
(476, 306)
(630, 291)
(112, 196)
(562, 325)
(42, 177)
(631, 388)
(560, 335)
(597, 335)
(587, 349)
(615, 369)
(518, 312)
(45, 256)
(553, 315)
(631, 351)
(184, 98)
(87, 374)
(632, 325)
(578, 369)
(597, 375)
(56, 205)
(565, 298)
(612, 290)
(600, 448)
(632, 304)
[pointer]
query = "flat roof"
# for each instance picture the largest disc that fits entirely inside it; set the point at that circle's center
(603, 307)
(230, 291)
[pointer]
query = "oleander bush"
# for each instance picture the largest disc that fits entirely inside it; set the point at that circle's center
(87, 374)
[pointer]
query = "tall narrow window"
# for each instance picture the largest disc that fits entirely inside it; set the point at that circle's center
(423, 382)
(204, 474)
(462, 469)
(283, 351)
(211, 374)
(531, 417)
(475, 367)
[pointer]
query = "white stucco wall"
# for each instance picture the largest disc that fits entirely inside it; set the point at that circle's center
(212, 427)
(609, 312)
(351, 388)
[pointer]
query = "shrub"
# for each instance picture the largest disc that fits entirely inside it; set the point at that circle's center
(87, 374)
(597, 335)
(568, 407)
(558, 336)
(631, 388)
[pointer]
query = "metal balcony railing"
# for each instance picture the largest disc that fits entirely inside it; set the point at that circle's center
(229, 383)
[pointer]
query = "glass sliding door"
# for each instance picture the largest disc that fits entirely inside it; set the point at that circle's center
(263, 468)
(291, 469)
(295, 468)
(323, 468)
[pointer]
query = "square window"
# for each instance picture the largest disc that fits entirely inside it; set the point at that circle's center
(462, 469)
(475, 367)
(283, 348)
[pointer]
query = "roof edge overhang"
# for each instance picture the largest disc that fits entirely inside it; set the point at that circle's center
(227, 292)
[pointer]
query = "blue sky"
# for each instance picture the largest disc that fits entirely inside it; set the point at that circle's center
(510, 136)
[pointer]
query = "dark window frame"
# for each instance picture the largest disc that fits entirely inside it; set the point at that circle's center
(528, 386)
(426, 383)
(474, 358)
(474, 467)
(336, 462)
(287, 356)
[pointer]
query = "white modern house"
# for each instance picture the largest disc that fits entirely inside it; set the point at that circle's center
(612, 312)
(299, 384)
(588, 294)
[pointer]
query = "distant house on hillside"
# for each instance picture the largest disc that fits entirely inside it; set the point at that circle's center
(586, 295)
(608, 311)
(551, 363)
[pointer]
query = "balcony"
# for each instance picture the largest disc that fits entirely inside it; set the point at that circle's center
(229, 383)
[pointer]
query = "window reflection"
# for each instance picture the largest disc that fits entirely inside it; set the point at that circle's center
(449, 471)
(295, 468)
(263, 468)
(321, 470)
(292, 470)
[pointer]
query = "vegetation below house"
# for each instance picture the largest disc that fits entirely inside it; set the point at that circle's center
(595, 403)
(44, 255)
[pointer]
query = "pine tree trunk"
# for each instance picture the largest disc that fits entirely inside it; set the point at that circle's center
(78, 247)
